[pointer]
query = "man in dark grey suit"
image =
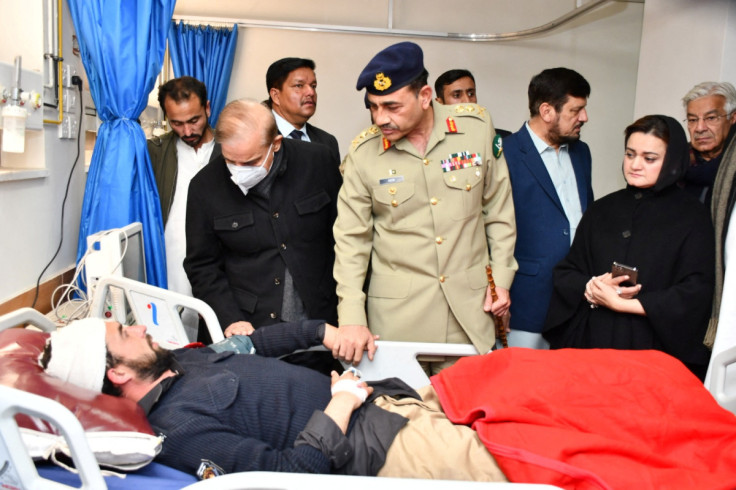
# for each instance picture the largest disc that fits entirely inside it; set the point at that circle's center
(292, 97)
(259, 222)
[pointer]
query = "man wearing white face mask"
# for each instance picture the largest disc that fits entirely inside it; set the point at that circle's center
(246, 176)
(259, 225)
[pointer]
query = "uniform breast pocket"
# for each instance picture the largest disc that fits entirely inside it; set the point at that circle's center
(237, 232)
(395, 204)
(465, 191)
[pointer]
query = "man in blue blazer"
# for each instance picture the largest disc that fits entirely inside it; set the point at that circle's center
(550, 171)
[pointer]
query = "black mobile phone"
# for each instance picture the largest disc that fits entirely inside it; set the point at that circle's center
(625, 270)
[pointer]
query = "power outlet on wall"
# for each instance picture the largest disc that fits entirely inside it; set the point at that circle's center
(68, 71)
(70, 101)
(68, 128)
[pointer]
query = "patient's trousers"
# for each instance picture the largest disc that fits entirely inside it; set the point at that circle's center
(430, 446)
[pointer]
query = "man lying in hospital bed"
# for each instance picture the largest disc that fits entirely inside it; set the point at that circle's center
(228, 413)
(577, 419)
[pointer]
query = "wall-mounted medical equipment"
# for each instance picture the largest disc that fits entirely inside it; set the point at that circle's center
(15, 110)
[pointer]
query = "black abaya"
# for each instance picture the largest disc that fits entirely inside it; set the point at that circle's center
(668, 236)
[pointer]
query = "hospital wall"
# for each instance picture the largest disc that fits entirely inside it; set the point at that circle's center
(30, 207)
(684, 42)
(604, 45)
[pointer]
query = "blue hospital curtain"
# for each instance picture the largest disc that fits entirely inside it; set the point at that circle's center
(122, 43)
(205, 53)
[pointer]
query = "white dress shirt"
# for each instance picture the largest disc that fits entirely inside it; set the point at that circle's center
(559, 168)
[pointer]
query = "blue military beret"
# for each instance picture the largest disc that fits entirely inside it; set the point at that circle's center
(393, 68)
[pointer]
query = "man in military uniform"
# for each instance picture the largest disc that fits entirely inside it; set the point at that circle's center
(426, 201)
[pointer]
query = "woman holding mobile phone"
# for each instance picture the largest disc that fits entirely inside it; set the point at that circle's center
(665, 237)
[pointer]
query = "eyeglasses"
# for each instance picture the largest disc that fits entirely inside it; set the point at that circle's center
(708, 120)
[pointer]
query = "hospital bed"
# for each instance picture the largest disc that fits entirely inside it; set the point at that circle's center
(15, 464)
(17, 470)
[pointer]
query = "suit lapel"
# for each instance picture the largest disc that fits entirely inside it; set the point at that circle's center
(314, 135)
(532, 160)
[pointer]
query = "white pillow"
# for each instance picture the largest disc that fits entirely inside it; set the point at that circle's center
(125, 451)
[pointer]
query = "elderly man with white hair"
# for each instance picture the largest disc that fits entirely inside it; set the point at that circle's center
(710, 116)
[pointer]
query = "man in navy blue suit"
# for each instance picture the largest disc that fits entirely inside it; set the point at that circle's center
(550, 171)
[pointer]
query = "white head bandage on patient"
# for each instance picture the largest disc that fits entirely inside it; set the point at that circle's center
(78, 353)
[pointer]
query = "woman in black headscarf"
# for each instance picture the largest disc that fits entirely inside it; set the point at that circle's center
(661, 230)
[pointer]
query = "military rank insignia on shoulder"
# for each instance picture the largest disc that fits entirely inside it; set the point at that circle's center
(471, 110)
(497, 145)
(364, 136)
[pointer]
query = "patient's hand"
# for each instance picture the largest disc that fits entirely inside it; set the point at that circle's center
(239, 328)
(347, 398)
(352, 376)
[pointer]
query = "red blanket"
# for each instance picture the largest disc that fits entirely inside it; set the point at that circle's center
(589, 419)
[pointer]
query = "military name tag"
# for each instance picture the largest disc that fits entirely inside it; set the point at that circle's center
(461, 160)
(391, 180)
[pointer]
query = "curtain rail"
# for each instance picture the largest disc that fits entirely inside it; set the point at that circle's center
(390, 31)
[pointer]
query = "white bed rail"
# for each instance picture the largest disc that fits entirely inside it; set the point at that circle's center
(156, 308)
(26, 316)
(16, 466)
(398, 359)
(721, 379)
(264, 480)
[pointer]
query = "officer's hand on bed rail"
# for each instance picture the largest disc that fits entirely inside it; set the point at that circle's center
(348, 342)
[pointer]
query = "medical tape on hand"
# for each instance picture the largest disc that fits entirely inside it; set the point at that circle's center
(351, 386)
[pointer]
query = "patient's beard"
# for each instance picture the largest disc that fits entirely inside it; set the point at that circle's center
(151, 368)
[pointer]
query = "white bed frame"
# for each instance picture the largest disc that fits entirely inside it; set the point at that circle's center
(18, 470)
(264, 480)
(721, 379)
(156, 308)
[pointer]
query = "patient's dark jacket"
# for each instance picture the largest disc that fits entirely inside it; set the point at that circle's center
(254, 413)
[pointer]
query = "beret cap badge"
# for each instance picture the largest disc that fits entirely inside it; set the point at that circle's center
(392, 69)
(382, 82)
